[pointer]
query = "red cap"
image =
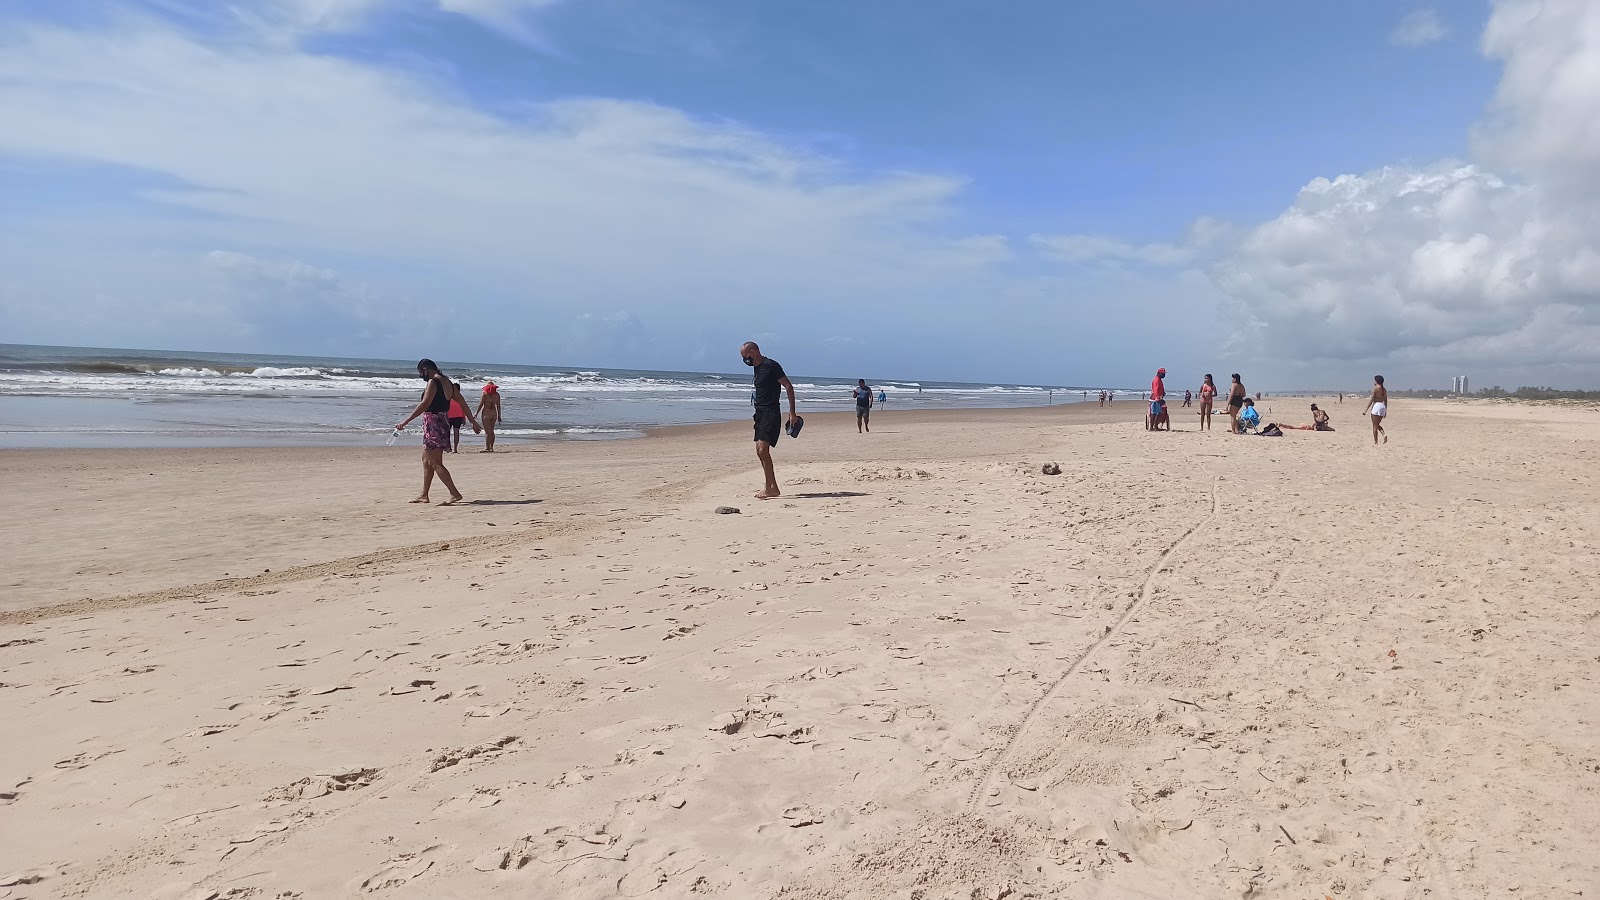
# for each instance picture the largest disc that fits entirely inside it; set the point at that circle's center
(1161, 371)
(490, 388)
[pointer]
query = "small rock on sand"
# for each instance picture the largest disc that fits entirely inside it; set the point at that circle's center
(1051, 468)
(727, 510)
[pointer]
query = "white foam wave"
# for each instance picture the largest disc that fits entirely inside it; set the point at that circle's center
(190, 373)
(290, 372)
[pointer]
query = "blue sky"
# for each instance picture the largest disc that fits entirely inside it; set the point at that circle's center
(1030, 191)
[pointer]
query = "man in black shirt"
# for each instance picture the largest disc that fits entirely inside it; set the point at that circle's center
(768, 377)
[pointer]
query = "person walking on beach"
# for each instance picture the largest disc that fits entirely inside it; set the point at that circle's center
(489, 414)
(1188, 398)
(863, 406)
(1378, 407)
(1158, 396)
(1236, 395)
(434, 410)
(768, 378)
(457, 417)
(1208, 396)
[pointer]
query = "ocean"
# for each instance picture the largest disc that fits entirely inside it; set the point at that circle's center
(63, 397)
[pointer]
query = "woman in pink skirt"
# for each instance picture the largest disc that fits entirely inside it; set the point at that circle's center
(434, 410)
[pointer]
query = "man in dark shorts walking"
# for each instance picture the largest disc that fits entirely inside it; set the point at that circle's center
(769, 420)
(863, 395)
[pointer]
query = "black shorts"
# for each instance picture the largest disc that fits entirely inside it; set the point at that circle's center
(458, 421)
(769, 424)
(1235, 404)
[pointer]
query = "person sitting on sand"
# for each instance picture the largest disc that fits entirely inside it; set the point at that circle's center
(768, 377)
(434, 409)
(1249, 418)
(489, 414)
(1319, 421)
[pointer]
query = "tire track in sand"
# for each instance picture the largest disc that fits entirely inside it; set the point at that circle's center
(1145, 592)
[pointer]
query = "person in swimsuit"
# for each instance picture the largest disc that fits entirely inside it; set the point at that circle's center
(1208, 395)
(1188, 398)
(1378, 407)
(457, 417)
(434, 410)
(489, 414)
(1236, 397)
(1319, 421)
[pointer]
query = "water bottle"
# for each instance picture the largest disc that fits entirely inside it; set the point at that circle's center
(393, 436)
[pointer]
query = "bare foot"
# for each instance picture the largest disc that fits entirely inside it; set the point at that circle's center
(454, 499)
(422, 499)
(485, 451)
(768, 493)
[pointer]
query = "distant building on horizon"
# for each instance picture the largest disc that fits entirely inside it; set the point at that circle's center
(1463, 384)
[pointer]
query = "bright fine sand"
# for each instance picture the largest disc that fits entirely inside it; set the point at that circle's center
(1190, 665)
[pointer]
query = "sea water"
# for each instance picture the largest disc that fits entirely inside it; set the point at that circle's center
(91, 397)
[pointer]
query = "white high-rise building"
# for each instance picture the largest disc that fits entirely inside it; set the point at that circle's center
(1463, 384)
(1455, 384)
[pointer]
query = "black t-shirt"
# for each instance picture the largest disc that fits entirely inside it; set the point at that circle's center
(766, 381)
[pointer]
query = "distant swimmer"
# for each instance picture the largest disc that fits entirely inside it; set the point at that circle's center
(434, 410)
(489, 414)
(1378, 408)
(884, 398)
(1208, 396)
(768, 378)
(863, 395)
(1236, 398)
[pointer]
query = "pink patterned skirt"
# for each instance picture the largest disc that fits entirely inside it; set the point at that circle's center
(435, 431)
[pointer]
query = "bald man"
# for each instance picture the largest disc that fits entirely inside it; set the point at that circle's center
(769, 377)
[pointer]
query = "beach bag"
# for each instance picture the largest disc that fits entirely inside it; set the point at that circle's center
(1272, 430)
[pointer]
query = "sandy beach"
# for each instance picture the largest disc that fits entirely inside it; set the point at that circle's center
(1190, 665)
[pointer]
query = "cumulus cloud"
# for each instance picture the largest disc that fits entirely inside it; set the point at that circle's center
(1491, 261)
(1418, 28)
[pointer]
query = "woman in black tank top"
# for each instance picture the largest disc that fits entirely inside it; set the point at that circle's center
(434, 409)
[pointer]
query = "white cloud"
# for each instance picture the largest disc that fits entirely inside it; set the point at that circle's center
(1454, 263)
(266, 149)
(1419, 28)
(1201, 238)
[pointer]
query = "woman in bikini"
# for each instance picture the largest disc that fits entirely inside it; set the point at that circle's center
(434, 410)
(1208, 396)
(1319, 421)
(1236, 395)
(1378, 407)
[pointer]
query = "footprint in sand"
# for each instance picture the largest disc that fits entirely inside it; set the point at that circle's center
(402, 870)
(478, 798)
(558, 845)
(314, 786)
(451, 758)
(655, 875)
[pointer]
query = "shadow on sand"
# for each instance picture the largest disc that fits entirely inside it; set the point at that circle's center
(498, 502)
(827, 495)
